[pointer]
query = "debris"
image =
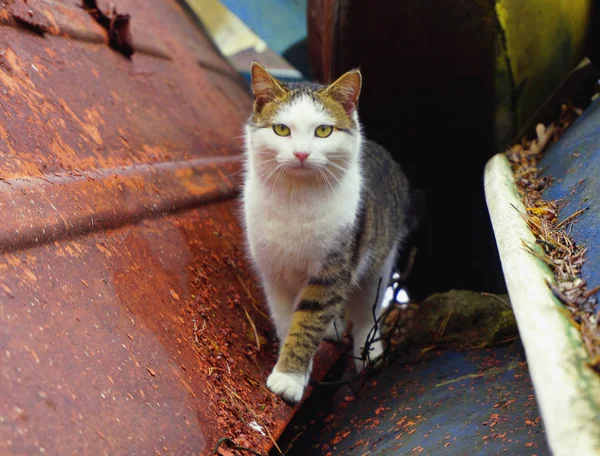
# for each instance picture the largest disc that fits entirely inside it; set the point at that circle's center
(117, 25)
(5, 65)
(253, 329)
(554, 245)
(29, 17)
(257, 427)
(462, 319)
(458, 319)
(231, 444)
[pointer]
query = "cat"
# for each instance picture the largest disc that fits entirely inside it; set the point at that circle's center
(324, 212)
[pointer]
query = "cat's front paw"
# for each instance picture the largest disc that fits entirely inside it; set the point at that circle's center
(290, 386)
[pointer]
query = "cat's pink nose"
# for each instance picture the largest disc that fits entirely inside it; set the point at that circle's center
(301, 155)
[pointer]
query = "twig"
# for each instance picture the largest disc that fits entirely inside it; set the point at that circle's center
(231, 444)
(491, 295)
(373, 331)
(249, 409)
(253, 329)
(197, 342)
(571, 217)
(293, 441)
(593, 291)
(370, 339)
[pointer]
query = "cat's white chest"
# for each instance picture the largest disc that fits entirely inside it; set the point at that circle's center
(286, 253)
(289, 242)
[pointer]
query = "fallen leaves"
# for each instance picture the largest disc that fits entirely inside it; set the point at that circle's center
(554, 245)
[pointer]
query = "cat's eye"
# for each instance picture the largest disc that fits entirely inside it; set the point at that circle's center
(281, 130)
(323, 131)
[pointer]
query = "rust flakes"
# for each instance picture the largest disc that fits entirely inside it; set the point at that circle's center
(4, 63)
(52, 25)
(10, 65)
(33, 354)
(3, 133)
(91, 126)
(62, 149)
(4, 16)
(51, 53)
(29, 275)
(104, 250)
(117, 25)
(154, 152)
(6, 289)
(101, 275)
(26, 15)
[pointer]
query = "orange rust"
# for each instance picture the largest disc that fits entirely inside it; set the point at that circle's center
(123, 282)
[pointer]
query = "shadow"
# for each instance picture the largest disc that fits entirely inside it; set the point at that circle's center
(429, 97)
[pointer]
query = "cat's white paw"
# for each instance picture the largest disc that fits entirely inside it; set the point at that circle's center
(290, 386)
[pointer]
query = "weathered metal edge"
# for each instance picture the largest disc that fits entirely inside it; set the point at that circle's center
(74, 22)
(567, 390)
(49, 208)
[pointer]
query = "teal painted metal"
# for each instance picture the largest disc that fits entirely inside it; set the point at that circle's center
(280, 23)
(471, 403)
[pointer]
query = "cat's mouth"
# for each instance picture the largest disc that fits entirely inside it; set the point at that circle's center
(300, 169)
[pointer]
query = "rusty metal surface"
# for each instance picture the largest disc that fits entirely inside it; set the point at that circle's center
(129, 321)
(323, 18)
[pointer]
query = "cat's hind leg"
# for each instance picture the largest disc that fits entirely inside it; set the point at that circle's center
(364, 309)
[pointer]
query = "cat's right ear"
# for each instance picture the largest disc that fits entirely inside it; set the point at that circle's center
(264, 86)
(346, 90)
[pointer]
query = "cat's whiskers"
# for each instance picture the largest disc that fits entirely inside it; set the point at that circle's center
(335, 165)
(322, 173)
(236, 173)
(268, 161)
(328, 181)
(333, 174)
(269, 168)
(281, 171)
(343, 157)
(271, 171)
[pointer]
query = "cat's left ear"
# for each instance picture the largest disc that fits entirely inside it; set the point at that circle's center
(264, 86)
(346, 90)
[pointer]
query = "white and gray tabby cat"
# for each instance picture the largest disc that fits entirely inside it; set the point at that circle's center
(324, 212)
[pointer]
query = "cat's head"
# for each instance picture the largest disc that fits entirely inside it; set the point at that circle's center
(304, 132)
